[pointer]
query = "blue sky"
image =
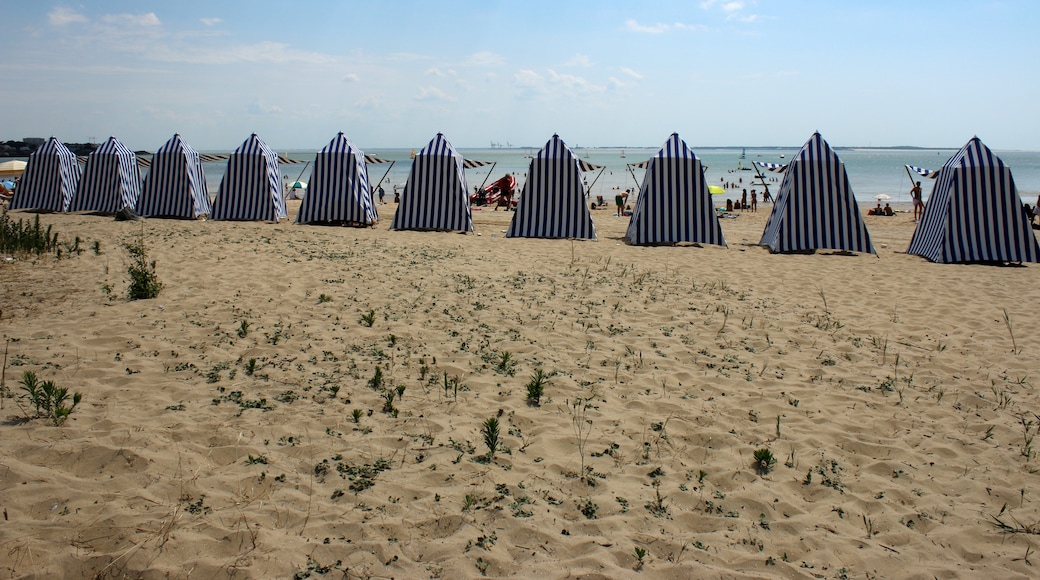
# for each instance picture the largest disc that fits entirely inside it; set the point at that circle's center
(599, 73)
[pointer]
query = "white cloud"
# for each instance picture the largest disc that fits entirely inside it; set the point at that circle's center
(351, 77)
(579, 59)
(631, 72)
(437, 72)
(574, 83)
(527, 79)
(732, 6)
(142, 20)
(62, 16)
(485, 58)
(661, 28)
(433, 94)
(211, 21)
(259, 108)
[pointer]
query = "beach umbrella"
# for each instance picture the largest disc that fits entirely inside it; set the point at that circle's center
(13, 168)
(298, 185)
(716, 190)
(882, 197)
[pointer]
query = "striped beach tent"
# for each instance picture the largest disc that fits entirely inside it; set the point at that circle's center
(552, 203)
(251, 188)
(815, 208)
(50, 179)
(111, 180)
(339, 189)
(674, 204)
(974, 213)
(176, 183)
(435, 196)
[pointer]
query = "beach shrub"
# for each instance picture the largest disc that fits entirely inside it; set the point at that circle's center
(25, 237)
(144, 284)
(536, 387)
(49, 400)
(489, 429)
(764, 460)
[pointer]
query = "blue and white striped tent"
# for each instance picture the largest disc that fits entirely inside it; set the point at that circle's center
(111, 180)
(339, 188)
(435, 196)
(251, 188)
(815, 208)
(50, 179)
(974, 213)
(674, 204)
(176, 183)
(552, 203)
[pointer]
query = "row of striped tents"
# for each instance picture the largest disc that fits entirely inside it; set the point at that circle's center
(111, 180)
(552, 203)
(674, 204)
(815, 208)
(251, 188)
(435, 197)
(974, 213)
(176, 183)
(50, 179)
(339, 190)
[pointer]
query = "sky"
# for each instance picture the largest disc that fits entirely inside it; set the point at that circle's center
(393, 74)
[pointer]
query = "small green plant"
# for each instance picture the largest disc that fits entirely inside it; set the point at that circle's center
(144, 284)
(49, 400)
(489, 430)
(376, 382)
(536, 387)
(388, 402)
(243, 329)
(323, 298)
(368, 319)
(96, 248)
(640, 554)
(588, 508)
(251, 367)
(506, 364)
(764, 460)
(356, 414)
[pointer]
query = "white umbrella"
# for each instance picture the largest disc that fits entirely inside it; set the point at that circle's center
(13, 168)
(882, 197)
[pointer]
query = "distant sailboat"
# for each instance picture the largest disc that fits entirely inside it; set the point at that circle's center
(622, 153)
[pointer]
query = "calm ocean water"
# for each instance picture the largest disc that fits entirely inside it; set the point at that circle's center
(872, 172)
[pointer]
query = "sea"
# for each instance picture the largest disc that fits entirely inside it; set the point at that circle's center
(872, 172)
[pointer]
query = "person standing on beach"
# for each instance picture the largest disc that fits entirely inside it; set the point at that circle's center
(754, 200)
(743, 201)
(915, 194)
(382, 196)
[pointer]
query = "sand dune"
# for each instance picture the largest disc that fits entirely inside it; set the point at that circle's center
(217, 436)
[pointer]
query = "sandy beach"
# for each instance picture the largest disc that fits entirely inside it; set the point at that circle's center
(239, 424)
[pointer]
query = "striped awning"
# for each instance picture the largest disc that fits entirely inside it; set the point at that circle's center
(923, 172)
(641, 165)
(473, 163)
(375, 160)
(774, 167)
(586, 166)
